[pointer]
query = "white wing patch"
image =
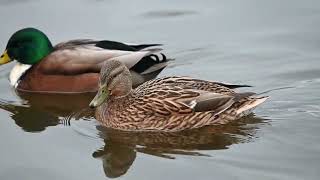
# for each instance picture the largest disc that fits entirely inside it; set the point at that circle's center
(17, 71)
(193, 104)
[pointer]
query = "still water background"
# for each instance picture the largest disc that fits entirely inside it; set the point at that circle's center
(272, 45)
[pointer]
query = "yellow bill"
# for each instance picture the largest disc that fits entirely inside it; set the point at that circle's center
(4, 58)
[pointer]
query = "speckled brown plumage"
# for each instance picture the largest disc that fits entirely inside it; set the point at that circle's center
(169, 104)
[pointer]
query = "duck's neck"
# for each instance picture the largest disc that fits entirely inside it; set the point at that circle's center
(17, 72)
(109, 112)
(120, 102)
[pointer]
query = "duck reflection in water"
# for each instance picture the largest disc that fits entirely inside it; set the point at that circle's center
(121, 147)
(120, 150)
(38, 111)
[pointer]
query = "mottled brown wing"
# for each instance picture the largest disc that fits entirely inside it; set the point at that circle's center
(165, 100)
(182, 95)
(189, 83)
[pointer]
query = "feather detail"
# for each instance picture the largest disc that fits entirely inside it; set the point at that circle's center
(82, 56)
(175, 104)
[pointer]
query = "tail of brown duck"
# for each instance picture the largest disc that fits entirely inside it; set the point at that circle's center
(244, 105)
(248, 106)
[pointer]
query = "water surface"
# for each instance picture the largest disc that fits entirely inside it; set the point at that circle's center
(272, 45)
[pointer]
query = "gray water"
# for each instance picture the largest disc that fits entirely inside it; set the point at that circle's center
(272, 45)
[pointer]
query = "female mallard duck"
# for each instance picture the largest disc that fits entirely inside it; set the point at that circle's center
(74, 66)
(166, 104)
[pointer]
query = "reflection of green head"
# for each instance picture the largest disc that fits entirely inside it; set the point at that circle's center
(28, 46)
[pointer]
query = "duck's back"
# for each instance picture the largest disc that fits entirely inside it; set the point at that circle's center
(74, 66)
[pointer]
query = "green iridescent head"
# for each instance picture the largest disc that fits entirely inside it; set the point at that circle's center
(27, 46)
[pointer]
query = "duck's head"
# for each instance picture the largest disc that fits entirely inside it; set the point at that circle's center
(115, 81)
(27, 46)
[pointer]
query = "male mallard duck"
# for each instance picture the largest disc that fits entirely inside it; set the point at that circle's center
(74, 66)
(166, 104)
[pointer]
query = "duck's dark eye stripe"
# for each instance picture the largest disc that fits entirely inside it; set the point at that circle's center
(2, 56)
(115, 73)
